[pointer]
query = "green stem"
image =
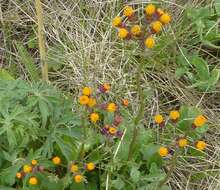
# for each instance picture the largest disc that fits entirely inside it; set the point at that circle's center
(82, 151)
(169, 173)
(140, 111)
(41, 39)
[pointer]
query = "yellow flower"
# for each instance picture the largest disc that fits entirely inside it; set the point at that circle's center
(74, 168)
(34, 162)
(87, 91)
(160, 11)
(150, 9)
(33, 181)
(123, 33)
(163, 151)
(201, 145)
(125, 102)
(106, 87)
(174, 115)
(56, 160)
(117, 21)
(112, 130)
(27, 169)
(111, 107)
(165, 18)
(94, 117)
(149, 42)
(136, 30)
(199, 121)
(19, 175)
(158, 119)
(78, 178)
(128, 11)
(182, 142)
(90, 166)
(92, 102)
(83, 100)
(156, 26)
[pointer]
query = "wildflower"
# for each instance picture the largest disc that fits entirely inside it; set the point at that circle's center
(123, 33)
(158, 119)
(33, 181)
(90, 166)
(163, 151)
(19, 175)
(87, 91)
(74, 168)
(83, 100)
(78, 178)
(56, 160)
(160, 11)
(150, 9)
(125, 102)
(92, 102)
(136, 30)
(27, 169)
(111, 107)
(112, 130)
(199, 121)
(104, 88)
(94, 117)
(201, 145)
(128, 11)
(182, 142)
(174, 115)
(34, 162)
(149, 42)
(116, 22)
(156, 26)
(165, 18)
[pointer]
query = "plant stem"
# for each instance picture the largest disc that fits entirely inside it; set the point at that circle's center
(140, 111)
(172, 168)
(41, 39)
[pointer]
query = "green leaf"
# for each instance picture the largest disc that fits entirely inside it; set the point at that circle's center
(44, 110)
(5, 75)
(150, 154)
(118, 183)
(180, 72)
(201, 66)
(28, 61)
(215, 74)
(217, 6)
(135, 174)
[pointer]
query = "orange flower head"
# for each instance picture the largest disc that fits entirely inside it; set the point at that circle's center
(165, 18)
(33, 181)
(163, 151)
(74, 168)
(158, 119)
(150, 9)
(182, 142)
(87, 91)
(56, 160)
(125, 102)
(92, 102)
(174, 115)
(83, 100)
(78, 178)
(94, 117)
(112, 130)
(199, 121)
(27, 168)
(128, 11)
(34, 162)
(116, 22)
(201, 145)
(111, 107)
(90, 166)
(19, 175)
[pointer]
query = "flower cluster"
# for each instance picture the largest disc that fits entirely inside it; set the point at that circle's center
(78, 172)
(143, 29)
(100, 109)
(31, 169)
(181, 141)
